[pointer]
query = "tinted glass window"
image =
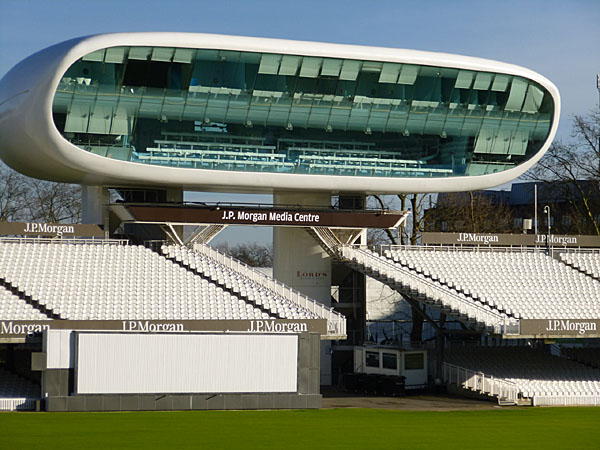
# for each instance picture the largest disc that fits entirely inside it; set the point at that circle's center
(390, 361)
(262, 112)
(414, 361)
(372, 359)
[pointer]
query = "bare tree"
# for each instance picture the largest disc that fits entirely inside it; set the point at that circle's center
(23, 198)
(53, 202)
(12, 194)
(474, 212)
(411, 232)
(416, 203)
(253, 254)
(572, 169)
(381, 236)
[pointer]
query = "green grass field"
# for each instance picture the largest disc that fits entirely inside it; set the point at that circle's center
(539, 428)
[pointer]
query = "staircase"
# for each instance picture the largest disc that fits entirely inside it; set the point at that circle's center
(206, 235)
(416, 285)
(422, 289)
(327, 239)
(505, 392)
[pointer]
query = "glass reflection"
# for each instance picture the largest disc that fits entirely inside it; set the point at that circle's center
(241, 111)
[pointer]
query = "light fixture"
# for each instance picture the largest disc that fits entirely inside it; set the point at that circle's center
(406, 133)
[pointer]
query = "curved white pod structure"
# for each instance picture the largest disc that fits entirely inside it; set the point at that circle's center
(225, 113)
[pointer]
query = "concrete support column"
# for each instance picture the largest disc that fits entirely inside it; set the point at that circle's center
(175, 195)
(357, 316)
(300, 262)
(93, 206)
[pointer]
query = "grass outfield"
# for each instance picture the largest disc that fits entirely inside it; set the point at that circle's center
(547, 428)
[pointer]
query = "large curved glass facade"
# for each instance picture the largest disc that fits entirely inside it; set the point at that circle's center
(242, 111)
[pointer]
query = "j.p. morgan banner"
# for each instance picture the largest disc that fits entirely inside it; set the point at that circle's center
(507, 240)
(268, 217)
(50, 229)
(24, 328)
(582, 328)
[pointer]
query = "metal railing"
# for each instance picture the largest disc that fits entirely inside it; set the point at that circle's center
(63, 240)
(336, 322)
(462, 248)
(17, 404)
(326, 238)
(437, 293)
(480, 382)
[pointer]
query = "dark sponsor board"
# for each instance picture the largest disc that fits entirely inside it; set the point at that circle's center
(582, 328)
(50, 229)
(267, 217)
(24, 328)
(508, 240)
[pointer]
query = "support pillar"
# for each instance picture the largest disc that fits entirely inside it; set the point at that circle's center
(175, 195)
(94, 201)
(300, 262)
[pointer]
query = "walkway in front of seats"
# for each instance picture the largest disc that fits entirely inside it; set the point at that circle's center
(425, 402)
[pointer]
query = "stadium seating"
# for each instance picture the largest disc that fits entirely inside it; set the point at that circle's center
(590, 356)
(336, 322)
(238, 283)
(523, 284)
(420, 285)
(15, 308)
(546, 379)
(107, 280)
(587, 262)
(302, 156)
(486, 286)
(16, 393)
(12, 386)
(110, 281)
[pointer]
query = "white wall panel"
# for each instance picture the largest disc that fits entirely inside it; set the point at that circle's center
(58, 346)
(124, 363)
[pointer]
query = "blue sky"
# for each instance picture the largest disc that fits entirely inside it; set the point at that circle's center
(557, 38)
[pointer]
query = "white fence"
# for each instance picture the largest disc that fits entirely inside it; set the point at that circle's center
(63, 240)
(566, 400)
(17, 404)
(479, 382)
